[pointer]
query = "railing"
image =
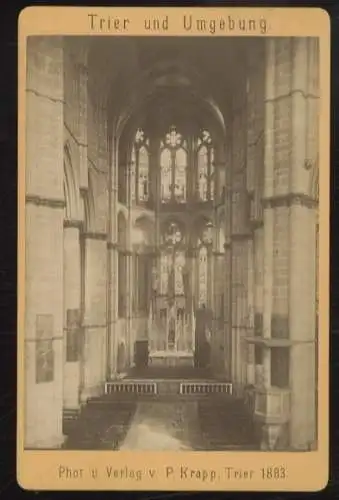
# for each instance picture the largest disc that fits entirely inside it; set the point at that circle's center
(183, 388)
(131, 387)
(188, 388)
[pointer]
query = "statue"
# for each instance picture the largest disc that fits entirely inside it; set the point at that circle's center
(171, 285)
(203, 329)
(171, 324)
(186, 285)
(155, 280)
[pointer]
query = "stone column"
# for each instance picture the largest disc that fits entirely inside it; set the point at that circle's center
(254, 182)
(267, 296)
(210, 279)
(156, 172)
(302, 252)
(76, 112)
(112, 261)
(239, 308)
(258, 297)
(289, 232)
(268, 215)
(228, 260)
(250, 373)
(113, 311)
(72, 314)
(44, 360)
(190, 171)
(83, 99)
(240, 235)
(275, 218)
(129, 307)
(95, 314)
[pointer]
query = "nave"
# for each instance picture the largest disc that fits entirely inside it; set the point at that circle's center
(164, 421)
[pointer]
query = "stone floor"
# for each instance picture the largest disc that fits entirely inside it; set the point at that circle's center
(167, 420)
(169, 423)
(165, 427)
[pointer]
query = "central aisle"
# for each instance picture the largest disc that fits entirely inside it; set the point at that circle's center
(161, 426)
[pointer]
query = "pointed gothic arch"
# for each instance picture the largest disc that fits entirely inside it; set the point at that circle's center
(89, 207)
(71, 190)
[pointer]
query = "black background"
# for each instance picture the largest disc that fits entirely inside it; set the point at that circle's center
(8, 256)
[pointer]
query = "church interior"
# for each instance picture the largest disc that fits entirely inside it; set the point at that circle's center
(171, 240)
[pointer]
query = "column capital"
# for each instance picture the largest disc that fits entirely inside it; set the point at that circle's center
(126, 253)
(219, 164)
(242, 236)
(94, 236)
(289, 199)
(256, 224)
(37, 200)
(74, 223)
(217, 253)
(111, 245)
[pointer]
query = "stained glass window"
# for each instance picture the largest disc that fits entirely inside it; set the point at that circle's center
(172, 260)
(173, 162)
(212, 174)
(172, 234)
(178, 272)
(122, 266)
(205, 158)
(203, 275)
(133, 174)
(164, 271)
(173, 139)
(143, 175)
(207, 233)
(205, 240)
(166, 175)
(203, 173)
(139, 172)
(221, 230)
(180, 175)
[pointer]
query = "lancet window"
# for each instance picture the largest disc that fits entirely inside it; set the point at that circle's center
(139, 172)
(205, 161)
(173, 261)
(204, 246)
(173, 164)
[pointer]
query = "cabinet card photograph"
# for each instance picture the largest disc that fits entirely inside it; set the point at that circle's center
(173, 249)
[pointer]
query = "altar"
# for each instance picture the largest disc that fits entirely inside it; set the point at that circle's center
(171, 333)
(171, 359)
(171, 323)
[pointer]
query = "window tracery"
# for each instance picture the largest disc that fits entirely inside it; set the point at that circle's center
(173, 164)
(139, 171)
(172, 261)
(205, 240)
(205, 160)
(203, 272)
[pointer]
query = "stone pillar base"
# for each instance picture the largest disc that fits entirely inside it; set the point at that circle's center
(273, 437)
(92, 392)
(47, 443)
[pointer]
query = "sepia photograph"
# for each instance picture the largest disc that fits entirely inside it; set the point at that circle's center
(171, 243)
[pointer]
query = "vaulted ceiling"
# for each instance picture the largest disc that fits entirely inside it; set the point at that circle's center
(175, 76)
